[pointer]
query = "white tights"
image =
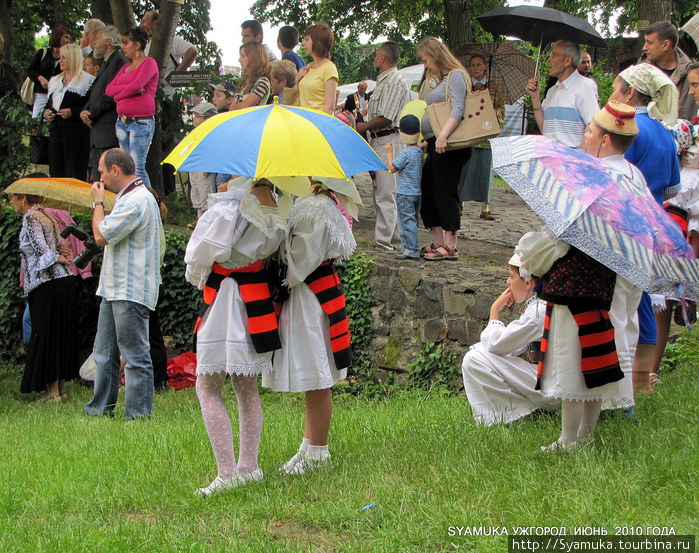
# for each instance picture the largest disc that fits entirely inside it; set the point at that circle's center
(218, 424)
(578, 419)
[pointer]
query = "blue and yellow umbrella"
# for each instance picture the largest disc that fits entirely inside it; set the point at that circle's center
(275, 141)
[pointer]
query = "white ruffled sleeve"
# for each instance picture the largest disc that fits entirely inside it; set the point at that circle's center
(212, 240)
(514, 338)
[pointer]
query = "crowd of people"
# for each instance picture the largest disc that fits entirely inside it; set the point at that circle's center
(102, 121)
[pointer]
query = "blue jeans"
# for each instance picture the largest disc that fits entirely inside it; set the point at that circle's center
(135, 138)
(122, 327)
(26, 325)
(408, 209)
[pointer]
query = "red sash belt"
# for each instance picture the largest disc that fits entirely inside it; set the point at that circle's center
(325, 284)
(679, 215)
(599, 359)
(254, 290)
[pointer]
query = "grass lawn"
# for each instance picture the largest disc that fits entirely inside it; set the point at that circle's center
(104, 485)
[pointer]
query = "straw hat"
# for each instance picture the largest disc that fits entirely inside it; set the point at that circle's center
(617, 118)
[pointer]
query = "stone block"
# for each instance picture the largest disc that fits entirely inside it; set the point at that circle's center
(435, 330)
(409, 279)
(481, 306)
(458, 331)
(457, 301)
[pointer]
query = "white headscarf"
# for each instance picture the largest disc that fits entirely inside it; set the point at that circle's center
(651, 81)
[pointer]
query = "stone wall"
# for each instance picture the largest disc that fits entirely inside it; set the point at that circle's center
(419, 302)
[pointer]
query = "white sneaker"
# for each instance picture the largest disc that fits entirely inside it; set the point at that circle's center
(304, 464)
(218, 485)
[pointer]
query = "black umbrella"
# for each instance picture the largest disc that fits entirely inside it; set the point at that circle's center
(539, 25)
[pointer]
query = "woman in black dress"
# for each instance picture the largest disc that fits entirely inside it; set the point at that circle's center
(69, 137)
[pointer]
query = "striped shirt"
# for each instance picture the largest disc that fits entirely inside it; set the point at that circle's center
(131, 264)
(569, 106)
(388, 98)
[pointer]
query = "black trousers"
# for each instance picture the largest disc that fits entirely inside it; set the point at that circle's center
(440, 206)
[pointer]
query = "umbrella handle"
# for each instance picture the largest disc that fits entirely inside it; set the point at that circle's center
(538, 57)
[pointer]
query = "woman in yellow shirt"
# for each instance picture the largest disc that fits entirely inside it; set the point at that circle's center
(317, 82)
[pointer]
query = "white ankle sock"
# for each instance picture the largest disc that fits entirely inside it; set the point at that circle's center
(304, 445)
(317, 452)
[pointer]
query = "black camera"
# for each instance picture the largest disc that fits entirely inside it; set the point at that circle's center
(91, 248)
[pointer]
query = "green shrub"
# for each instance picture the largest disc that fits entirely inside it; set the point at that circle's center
(434, 368)
(16, 122)
(11, 302)
(181, 301)
(354, 274)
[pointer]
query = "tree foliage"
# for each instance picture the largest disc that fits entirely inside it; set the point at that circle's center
(30, 16)
(420, 18)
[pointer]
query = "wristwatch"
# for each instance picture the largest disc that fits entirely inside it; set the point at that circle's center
(95, 204)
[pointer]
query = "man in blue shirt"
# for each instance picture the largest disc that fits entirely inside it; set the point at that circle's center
(287, 40)
(128, 286)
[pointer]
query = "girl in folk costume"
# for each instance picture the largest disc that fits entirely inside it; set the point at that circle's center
(314, 327)
(237, 332)
(580, 365)
(499, 384)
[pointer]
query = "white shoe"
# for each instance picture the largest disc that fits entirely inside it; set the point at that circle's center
(218, 485)
(221, 485)
(302, 464)
(248, 477)
(560, 446)
(286, 467)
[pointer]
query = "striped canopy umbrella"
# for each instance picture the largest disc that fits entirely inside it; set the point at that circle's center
(508, 68)
(70, 194)
(275, 141)
(600, 212)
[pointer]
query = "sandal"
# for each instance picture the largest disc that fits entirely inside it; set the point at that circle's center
(426, 249)
(442, 252)
(654, 379)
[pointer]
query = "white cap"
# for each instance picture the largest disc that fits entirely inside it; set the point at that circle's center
(515, 260)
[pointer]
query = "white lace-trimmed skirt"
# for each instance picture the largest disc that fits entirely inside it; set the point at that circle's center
(562, 376)
(305, 361)
(223, 340)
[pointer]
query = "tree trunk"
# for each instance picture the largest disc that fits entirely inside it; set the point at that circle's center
(160, 51)
(122, 15)
(650, 11)
(102, 10)
(59, 17)
(6, 27)
(457, 18)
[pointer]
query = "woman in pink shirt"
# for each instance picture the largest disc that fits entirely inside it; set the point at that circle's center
(133, 90)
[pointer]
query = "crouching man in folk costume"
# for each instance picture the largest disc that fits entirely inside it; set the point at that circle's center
(499, 384)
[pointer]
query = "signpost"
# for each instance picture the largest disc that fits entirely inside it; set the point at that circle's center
(179, 79)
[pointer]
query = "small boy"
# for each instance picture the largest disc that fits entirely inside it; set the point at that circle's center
(408, 165)
(202, 184)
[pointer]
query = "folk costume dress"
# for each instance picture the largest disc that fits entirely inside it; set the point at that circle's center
(318, 235)
(236, 232)
(499, 384)
(579, 292)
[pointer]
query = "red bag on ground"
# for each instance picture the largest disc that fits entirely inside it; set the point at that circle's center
(182, 371)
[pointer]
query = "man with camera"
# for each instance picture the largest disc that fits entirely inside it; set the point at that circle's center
(128, 286)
